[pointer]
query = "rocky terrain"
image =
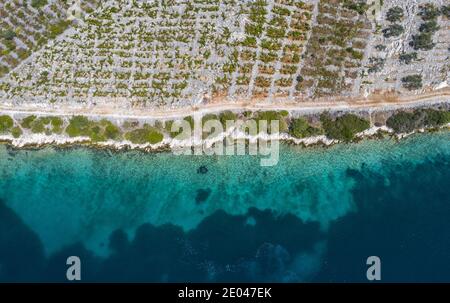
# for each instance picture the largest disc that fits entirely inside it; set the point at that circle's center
(169, 54)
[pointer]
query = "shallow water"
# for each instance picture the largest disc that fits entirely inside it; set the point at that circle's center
(316, 216)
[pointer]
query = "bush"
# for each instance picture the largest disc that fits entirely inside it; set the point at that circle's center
(429, 27)
(46, 125)
(423, 41)
(79, 126)
(38, 3)
(393, 30)
(57, 29)
(144, 135)
(6, 123)
(300, 128)
(429, 12)
(380, 47)
(412, 82)
(168, 126)
(376, 64)
(395, 14)
(344, 127)
(8, 34)
(406, 122)
(360, 6)
(26, 122)
(38, 126)
(270, 116)
(226, 116)
(16, 132)
(208, 117)
(96, 131)
(407, 58)
(445, 10)
(111, 131)
(57, 124)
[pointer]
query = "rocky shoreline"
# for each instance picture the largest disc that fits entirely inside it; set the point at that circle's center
(33, 142)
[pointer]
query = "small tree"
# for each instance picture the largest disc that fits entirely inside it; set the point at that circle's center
(445, 10)
(407, 58)
(412, 82)
(423, 41)
(429, 12)
(360, 6)
(393, 30)
(429, 27)
(38, 3)
(395, 14)
(8, 34)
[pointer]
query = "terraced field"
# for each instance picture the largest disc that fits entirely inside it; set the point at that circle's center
(28, 25)
(174, 53)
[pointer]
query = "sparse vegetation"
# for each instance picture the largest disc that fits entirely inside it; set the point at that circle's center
(393, 30)
(395, 14)
(38, 3)
(407, 58)
(412, 82)
(6, 123)
(428, 12)
(360, 6)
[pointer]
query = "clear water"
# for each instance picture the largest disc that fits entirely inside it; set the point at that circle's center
(316, 216)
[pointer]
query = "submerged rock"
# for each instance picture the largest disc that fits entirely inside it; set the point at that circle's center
(202, 170)
(202, 195)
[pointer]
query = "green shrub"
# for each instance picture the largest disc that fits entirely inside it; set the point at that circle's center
(412, 82)
(360, 6)
(380, 47)
(111, 131)
(57, 29)
(270, 116)
(429, 12)
(16, 132)
(38, 126)
(407, 58)
(46, 125)
(57, 124)
(26, 122)
(169, 124)
(393, 30)
(406, 122)
(300, 128)
(227, 116)
(8, 34)
(208, 117)
(429, 27)
(395, 14)
(96, 131)
(445, 10)
(6, 123)
(144, 135)
(344, 127)
(79, 126)
(422, 41)
(38, 3)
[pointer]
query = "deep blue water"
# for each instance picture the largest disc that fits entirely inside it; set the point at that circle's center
(316, 216)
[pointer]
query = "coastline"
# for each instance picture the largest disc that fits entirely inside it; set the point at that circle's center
(38, 141)
(368, 107)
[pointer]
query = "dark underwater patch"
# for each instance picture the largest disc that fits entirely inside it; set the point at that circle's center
(202, 170)
(202, 195)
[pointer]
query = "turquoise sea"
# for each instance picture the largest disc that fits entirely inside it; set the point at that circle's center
(316, 216)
